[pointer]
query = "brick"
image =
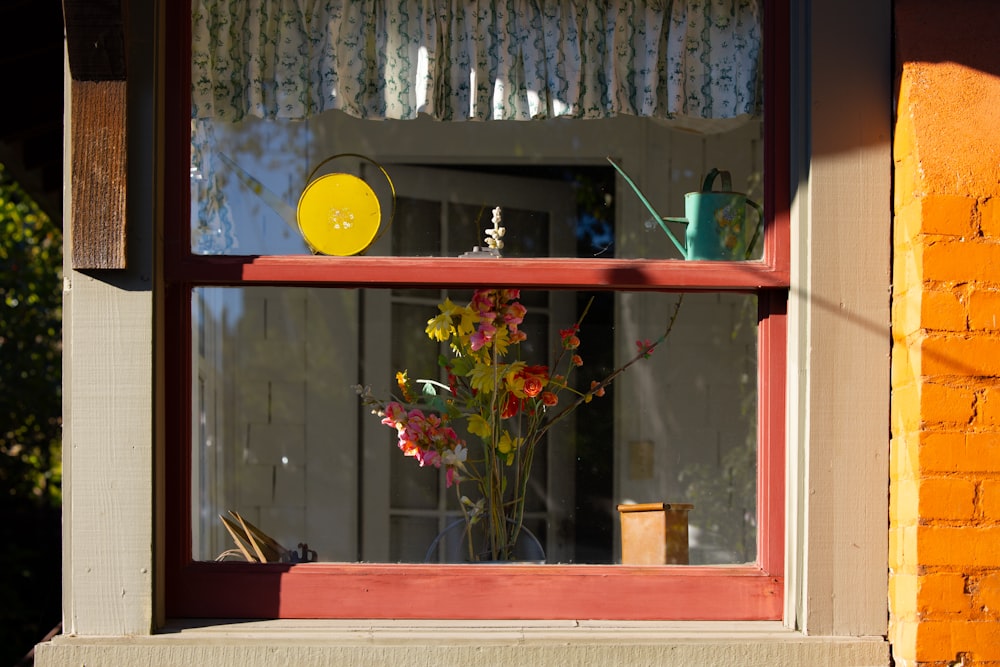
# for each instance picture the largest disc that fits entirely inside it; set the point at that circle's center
(947, 214)
(906, 226)
(943, 452)
(943, 310)
(989, 502)
(946, 498)
(942, 594)
(906, 268)
(984, 309)
(968, 355)
(956, 452)
(982, 453)
(960, 261)
(902, 371)
(906, 182)
(989, 217)
(944, 404)
(961, 547)
(904, 502)
(903, 549)
(904, 138)
(905, 409)
(988, 407)
(933, 641)
(942, 641)
(903, 596)
(904, 458)
(906, 315)
(980, 639)
(903, 641)
(988, 594)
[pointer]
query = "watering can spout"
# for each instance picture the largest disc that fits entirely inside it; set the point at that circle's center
(716, 220)
(656, 216)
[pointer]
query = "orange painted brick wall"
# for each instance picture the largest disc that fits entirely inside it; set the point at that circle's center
(944, 591)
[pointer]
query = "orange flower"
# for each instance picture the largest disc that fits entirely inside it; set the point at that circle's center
(549, 399)
(532, 387)
(534, 379)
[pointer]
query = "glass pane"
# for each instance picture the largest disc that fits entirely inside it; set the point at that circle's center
(268, 187)
(284, 444)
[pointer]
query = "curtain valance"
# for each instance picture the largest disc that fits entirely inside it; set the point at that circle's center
(476, 59)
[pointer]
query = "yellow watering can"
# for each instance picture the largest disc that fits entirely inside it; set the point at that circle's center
(339, 214)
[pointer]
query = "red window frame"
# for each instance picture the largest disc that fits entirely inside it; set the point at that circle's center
(363, 590)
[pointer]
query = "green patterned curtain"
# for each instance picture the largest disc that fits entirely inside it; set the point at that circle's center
(476, 59)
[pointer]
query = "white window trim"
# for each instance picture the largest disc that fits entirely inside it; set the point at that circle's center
(837, 460)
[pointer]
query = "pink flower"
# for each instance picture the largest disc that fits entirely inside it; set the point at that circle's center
(483, 335)
(513, 315)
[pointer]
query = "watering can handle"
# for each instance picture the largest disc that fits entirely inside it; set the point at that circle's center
(727, 181)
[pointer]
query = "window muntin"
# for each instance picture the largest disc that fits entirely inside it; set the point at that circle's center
(209, 589)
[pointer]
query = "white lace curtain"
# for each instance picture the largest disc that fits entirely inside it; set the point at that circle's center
(476, 59)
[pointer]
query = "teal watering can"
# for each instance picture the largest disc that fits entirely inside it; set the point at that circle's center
(716, 220)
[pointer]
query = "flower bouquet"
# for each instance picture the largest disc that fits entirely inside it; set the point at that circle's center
(489, 392)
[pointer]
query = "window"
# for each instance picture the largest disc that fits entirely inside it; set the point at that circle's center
(275, 337)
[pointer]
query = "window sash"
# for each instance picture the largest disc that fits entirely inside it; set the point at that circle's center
(323, 590)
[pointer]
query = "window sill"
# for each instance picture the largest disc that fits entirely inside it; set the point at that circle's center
(308, 642)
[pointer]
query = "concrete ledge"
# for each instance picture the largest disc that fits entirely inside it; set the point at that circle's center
(446, 644)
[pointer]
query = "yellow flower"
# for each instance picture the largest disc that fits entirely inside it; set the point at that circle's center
(479, 426)
(466, 320)
(508, 446)
(442, 326)
(514, 379)
(501, 339)
(481, 378)
(439, 328)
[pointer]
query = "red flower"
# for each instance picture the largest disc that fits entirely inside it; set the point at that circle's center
(511, 407)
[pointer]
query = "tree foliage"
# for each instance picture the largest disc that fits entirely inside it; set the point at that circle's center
(30, 423)
(30, 347)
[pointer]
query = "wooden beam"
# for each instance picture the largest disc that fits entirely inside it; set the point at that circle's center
(95, 44)
(95, 39)
(97, 212)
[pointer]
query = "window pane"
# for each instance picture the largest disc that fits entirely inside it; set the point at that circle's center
(559, 195)
(282, 440)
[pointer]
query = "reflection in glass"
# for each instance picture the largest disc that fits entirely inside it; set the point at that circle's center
(551, 178)
(280, 437)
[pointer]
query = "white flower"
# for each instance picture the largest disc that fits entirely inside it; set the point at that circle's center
(454, 457)
(494, 235)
